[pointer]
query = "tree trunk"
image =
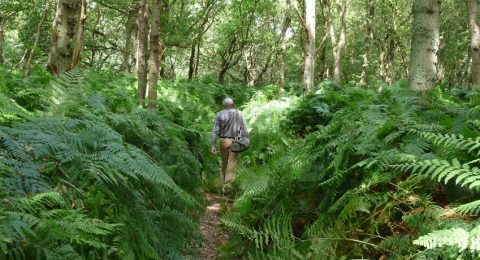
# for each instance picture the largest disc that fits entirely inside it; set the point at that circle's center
(78, 44)
(473, 9)
(1, 39)
(425, 42)
(221, 76)
(265, 68)
(227, 58)
(249, 78)
(67, 35)
(283, 47)
(197, 62)
(37, 39)
(142, 52)
(338, 46)
(163, 58)
(309, 69)
(131, 28)
(154, 55)
(370, 13)
(191, 64)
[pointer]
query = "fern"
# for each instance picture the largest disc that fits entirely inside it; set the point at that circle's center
(443, 170)
(85, 178)
(470, 145)
(459, 237)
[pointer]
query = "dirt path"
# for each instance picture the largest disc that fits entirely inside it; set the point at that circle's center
(214, 236)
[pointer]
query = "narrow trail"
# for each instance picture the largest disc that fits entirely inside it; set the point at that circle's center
(209, 226)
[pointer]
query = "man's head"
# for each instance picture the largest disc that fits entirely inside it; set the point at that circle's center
(228, 103)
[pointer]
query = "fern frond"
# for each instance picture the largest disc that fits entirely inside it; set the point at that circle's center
(443, 170)
(470, 145)
(471, 208)
(458, 237)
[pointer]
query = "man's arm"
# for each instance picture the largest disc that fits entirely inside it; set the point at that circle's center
(215, 130)
(243, 124)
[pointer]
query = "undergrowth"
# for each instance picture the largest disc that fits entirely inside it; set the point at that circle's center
(344, 172)
(349, 172)
(86, 173)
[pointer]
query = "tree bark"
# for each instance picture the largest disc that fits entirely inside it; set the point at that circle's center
(131, 28)
(338, 45)
(197, 62)
(473, 9)
(370, 13)
(309, 64)
(78, 44)
(154, 55)
(227, 58)
(142, 52)
(2, 61)
(67, 35)
(37, 39)
(425, 43)
(283, 47)
(192, 64)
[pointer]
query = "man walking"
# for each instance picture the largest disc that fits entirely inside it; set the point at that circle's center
(229, 123)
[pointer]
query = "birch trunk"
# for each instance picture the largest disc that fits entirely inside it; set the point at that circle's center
(154, 55)
(142, 53)
(283, 47)
(131, 29)
(309, 69)
(28, 64)
(473, 7)
(80, 31)
(425, 43)
(338, 45)
(370, 13)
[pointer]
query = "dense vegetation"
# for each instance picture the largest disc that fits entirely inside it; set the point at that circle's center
(353, 172)
(366, 140)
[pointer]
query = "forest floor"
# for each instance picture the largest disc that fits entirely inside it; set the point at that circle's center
(214, 236)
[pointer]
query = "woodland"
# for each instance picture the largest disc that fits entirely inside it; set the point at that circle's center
(364, 119)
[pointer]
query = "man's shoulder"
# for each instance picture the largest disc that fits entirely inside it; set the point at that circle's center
(228, 110)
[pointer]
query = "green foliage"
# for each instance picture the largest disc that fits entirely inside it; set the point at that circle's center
(92, 175)
(458, 237)
(347, 185)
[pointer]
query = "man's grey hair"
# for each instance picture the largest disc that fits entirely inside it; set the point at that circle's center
(227, 102)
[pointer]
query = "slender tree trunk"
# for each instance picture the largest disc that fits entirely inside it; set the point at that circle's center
(154, 55)
(370, 13)
(473, 9)
(191, 64)
(221, 75)
(425, 42)
(163, 58)
(37, 39)
(265, 68)
(78, 44)
(1, 39)
(309, 69)
(283, 47)
(338, 46)
(227, 59)
(249, 77)
(67, 35)
(131, 29)
(197, 62)
(142, 52)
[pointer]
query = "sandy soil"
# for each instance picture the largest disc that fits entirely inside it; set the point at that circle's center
(214, 236)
